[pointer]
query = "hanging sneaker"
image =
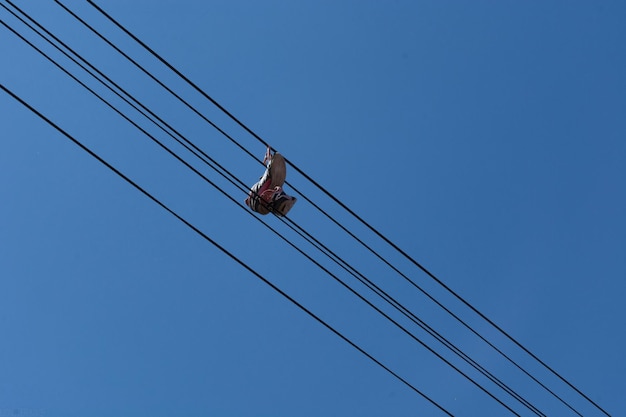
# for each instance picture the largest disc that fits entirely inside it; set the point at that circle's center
(267, 194)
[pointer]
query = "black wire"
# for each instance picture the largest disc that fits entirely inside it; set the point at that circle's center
(336, 200)
(325, 250)
(221, 248)
(362, 221)
(145, 71)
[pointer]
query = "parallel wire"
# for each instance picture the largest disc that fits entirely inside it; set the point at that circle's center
(430, 274)
(506, 389)
(350, 211)
(300, 231)
(360, 219)
(222, 249)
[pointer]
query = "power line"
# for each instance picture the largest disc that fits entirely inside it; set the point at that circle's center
(221, 248)
(327, 215)
(403, 253)
(385, 296)
(378, 233)
(360, 276)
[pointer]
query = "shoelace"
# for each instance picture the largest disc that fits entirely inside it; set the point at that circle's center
(271, 194)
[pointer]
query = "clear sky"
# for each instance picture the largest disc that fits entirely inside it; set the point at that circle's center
(487, 139)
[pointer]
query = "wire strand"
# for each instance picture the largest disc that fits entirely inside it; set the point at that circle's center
(365, 223)
(302, 233)
(383, 296)
(351, 212)
(309, 200)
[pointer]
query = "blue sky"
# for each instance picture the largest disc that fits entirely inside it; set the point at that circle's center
(486, 139)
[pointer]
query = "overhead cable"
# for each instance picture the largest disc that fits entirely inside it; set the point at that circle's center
(384, 295)
(308, 237)
(355, 215)
(551, 392)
